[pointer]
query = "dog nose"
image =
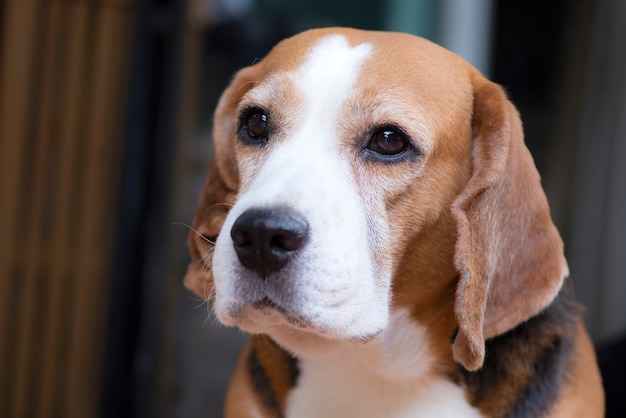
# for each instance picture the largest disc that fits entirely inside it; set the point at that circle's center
(265, 239)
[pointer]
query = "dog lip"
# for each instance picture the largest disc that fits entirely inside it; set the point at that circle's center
(368, 338)
(266, 304)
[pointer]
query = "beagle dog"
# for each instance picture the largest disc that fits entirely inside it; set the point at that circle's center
(374, 220)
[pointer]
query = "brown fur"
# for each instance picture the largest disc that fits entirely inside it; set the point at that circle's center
(476, 256)
(509, 252)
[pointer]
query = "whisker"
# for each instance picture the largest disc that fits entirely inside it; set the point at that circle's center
(201, 302)
(228, 205)
(211, 316)
(194, 230)
(246, 83)
(270, 343)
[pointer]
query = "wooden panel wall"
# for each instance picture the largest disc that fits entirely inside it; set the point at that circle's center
(63, 73)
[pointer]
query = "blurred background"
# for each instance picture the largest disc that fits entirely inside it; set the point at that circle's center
(105, 138)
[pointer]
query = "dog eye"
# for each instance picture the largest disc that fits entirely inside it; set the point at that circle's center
(257, 125)
(388, 141)
(254, 126)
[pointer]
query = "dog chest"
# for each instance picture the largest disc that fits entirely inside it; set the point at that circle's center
(339, 396)
(393, 377)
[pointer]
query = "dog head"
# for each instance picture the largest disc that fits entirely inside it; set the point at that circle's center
(350, 163)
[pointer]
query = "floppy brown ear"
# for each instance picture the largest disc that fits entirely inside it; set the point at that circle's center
(508, 252)
(220, 188)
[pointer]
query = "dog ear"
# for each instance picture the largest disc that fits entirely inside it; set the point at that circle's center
(220, 188)
(508, 251)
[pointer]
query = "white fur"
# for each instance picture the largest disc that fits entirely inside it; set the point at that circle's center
(392, 377)
(332, 287)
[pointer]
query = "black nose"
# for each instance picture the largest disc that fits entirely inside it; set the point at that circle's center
(265, 239)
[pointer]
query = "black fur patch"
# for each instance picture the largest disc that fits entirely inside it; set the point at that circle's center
(292, 368)
(261, 384)
(540, 347)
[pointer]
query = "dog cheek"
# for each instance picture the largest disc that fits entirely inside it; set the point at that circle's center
(248, 165)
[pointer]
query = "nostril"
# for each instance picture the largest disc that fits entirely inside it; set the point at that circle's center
(265, 239)
(240, 237)
(288, 240)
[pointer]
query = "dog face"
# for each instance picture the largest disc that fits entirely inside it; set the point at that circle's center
(357, 171)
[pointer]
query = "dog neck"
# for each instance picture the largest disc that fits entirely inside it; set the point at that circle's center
(396, 374)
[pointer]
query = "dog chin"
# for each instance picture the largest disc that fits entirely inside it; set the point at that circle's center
(297, 334)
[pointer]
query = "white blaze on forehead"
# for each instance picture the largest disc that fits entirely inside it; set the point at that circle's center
(329, 74)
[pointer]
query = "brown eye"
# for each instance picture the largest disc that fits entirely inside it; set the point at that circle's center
(254, 126)
(257, 125)
(388, 141)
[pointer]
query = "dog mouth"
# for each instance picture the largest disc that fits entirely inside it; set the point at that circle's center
(266, 306)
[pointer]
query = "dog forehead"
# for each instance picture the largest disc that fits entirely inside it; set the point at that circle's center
(392, 49)
(383, 66)
(305, 67)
